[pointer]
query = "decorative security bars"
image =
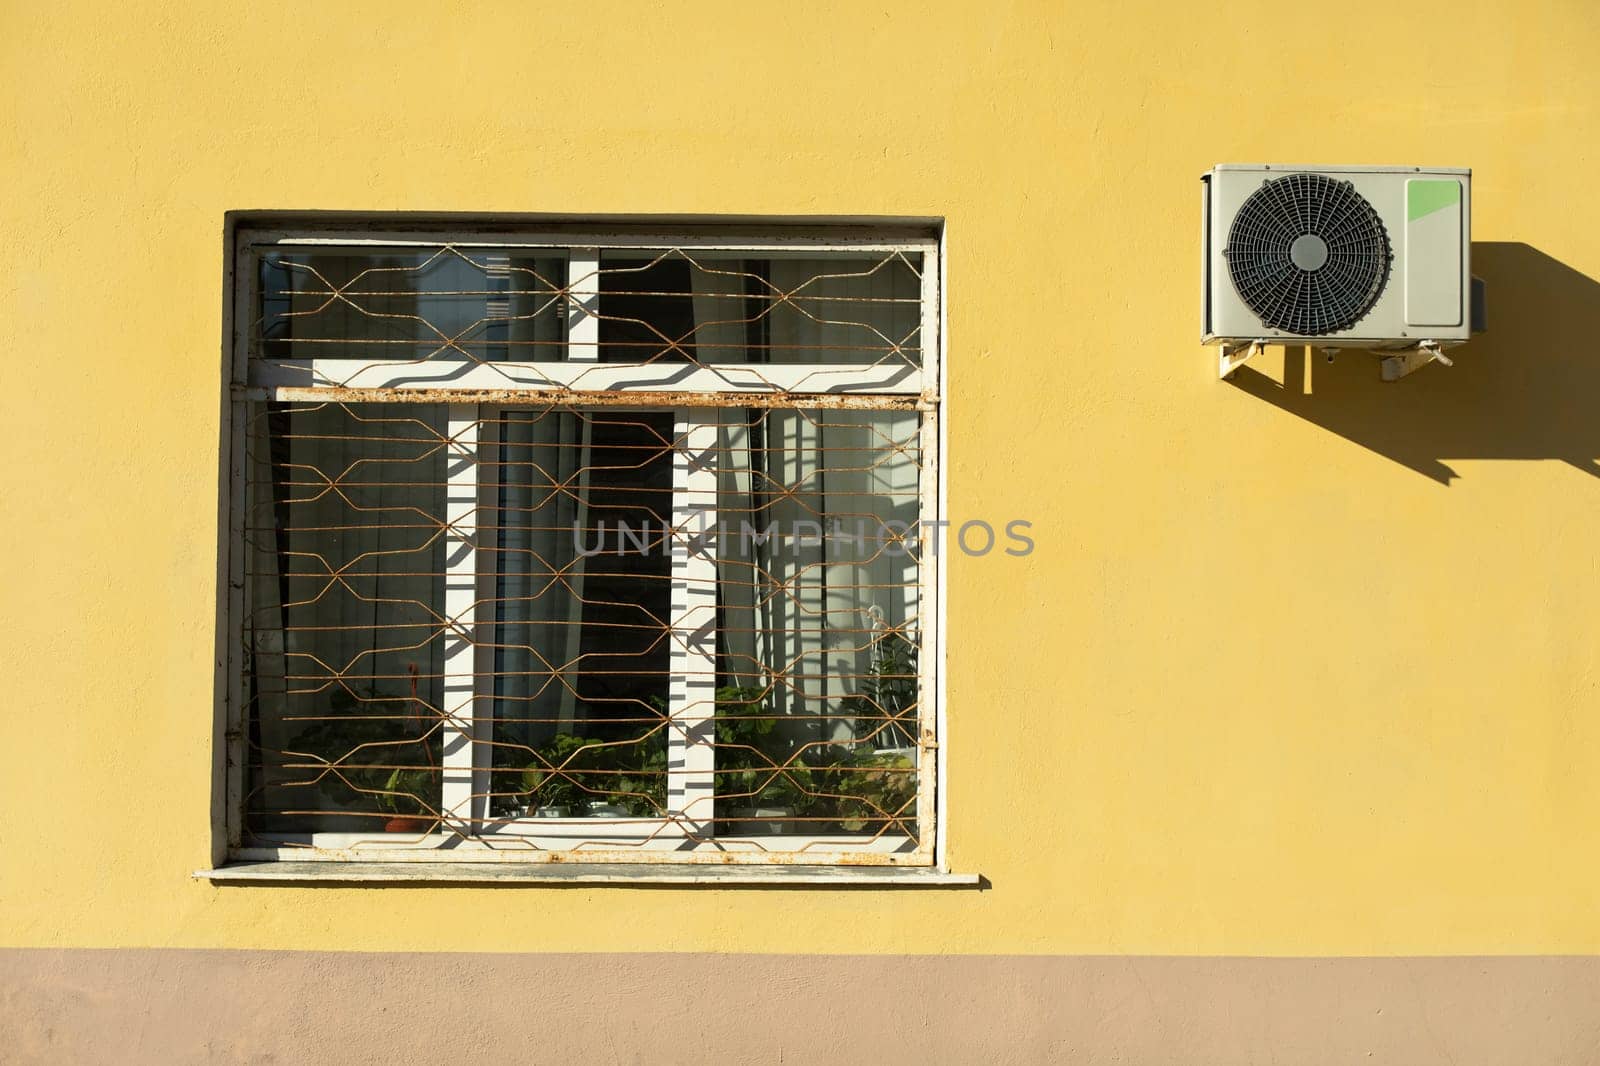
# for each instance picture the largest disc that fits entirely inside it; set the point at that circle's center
(583, 548)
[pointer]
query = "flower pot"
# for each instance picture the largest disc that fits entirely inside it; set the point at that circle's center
(554, 810)
(407, 823)
(759, 821)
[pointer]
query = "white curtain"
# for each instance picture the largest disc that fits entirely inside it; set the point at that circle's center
(345, 582)
(346, 503)
(539, 585)
(805, 609)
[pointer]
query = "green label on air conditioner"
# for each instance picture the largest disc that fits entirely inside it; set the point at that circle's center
(1424, 196)
(1433, 252)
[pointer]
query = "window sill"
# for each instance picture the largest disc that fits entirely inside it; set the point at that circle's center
(556, 874)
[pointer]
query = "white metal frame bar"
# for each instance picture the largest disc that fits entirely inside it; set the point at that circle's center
(461, 610)
(575, 581)
(583, 347)
(692, 701)
(485, 620)
(583, 305)
(794, 245)
(444, 370)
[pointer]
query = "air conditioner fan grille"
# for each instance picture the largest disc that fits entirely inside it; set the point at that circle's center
(1308, 254)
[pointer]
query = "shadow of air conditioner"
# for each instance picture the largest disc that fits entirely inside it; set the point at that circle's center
(1528, 389)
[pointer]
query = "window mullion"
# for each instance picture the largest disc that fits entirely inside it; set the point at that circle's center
(693, 664)
(571, 655)
(486, 620)
(461, 599)
(583, 305)
(583, 346)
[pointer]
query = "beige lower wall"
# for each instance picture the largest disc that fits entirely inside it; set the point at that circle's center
(159, 1006)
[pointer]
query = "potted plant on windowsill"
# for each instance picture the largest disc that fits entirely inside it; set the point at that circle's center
(761, 783)
(881, 791)
(550, 783)
(402, 798)
(886, 704)
(348, 753)
(775, 796)
(586, 777)
(642, 786)
(405, 792)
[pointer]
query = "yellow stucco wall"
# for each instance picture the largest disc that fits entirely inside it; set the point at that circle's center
(1309, 670)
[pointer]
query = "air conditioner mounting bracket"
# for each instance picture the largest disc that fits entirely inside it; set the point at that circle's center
(1231, 357)
(1398, 366)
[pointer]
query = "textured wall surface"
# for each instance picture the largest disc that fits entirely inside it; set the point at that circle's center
(1303, 665)
(166, 1006)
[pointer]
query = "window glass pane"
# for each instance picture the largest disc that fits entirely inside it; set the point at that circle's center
(581, 612)
(656, 305)
(847, 308)
(647, 308)
(343, 633)
(817, 610)
(405, 304)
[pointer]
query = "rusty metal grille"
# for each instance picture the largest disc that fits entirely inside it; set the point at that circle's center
(604, 554)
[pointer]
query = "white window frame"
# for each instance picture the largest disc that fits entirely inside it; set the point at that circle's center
(473, 392)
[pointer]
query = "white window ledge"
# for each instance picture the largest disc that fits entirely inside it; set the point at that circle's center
(582, 874)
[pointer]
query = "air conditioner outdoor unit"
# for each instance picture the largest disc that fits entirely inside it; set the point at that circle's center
(1338, 257)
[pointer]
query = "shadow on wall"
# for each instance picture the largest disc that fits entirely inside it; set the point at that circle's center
(1528, 389)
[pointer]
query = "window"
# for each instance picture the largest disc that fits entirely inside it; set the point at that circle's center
(559, 545)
